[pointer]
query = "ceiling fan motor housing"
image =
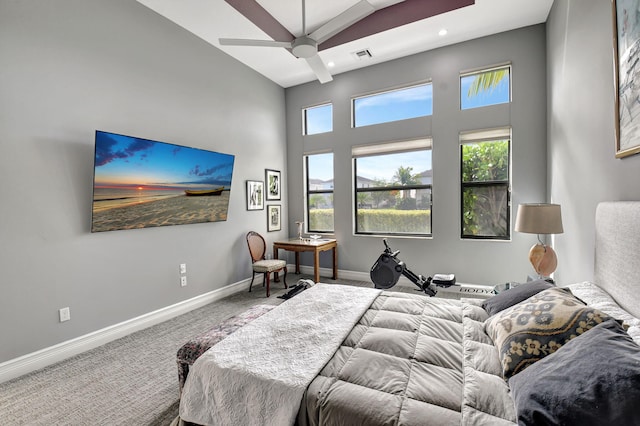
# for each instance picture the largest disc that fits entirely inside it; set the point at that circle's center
(304, 47)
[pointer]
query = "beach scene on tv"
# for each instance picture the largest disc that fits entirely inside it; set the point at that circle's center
(140, 183)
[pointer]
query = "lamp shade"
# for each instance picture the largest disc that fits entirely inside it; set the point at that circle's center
(539, 219)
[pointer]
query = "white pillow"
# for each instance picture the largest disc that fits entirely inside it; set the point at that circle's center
(594, 296)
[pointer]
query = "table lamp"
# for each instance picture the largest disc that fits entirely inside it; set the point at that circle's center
(540, 219)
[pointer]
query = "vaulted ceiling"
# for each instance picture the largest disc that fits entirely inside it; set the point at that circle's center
(397, 28)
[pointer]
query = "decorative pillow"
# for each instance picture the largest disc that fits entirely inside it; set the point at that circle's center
(510, 297)
(593, 380)
(539, 326)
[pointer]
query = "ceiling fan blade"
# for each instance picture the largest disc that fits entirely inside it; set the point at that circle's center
(250, 42)
(359, 11)
(318, 67)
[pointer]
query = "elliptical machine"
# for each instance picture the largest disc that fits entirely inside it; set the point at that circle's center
(386, 272)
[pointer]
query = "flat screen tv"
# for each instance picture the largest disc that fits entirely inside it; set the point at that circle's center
(140, 183)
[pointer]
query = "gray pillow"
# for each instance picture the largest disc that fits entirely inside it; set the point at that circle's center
(538, 326)
(513, 296)
(592, 380)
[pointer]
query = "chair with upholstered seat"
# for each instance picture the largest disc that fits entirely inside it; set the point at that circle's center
(257, 250)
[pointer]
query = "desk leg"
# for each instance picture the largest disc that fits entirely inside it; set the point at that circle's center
(335, 263)
(276, 275)
(316, 263)
(298, 262)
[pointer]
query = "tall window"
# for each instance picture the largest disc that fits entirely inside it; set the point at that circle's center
(319, 187)
(393, 188)
(484, 88)
(317, 119)
(393, 105)
(485, 171)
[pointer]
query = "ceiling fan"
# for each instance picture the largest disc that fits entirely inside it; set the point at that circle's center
(306, 46)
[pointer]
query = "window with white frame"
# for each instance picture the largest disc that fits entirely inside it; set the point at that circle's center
(485, 184)
(486, 87)
(393, 183)
(393, 105)
(319, 192)
(317, 119)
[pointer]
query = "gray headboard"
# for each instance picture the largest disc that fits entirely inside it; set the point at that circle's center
(617, 254)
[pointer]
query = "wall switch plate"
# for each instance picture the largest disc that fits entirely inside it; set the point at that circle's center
(183, 268)
(65, 314)
(183, 281)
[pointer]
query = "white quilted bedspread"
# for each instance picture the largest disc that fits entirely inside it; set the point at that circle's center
(257, 375)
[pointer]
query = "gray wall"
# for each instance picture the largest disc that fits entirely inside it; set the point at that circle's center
(581, 129)
(70, 67)
(483, 262)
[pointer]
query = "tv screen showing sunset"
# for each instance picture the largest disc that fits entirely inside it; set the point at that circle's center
(140, 183)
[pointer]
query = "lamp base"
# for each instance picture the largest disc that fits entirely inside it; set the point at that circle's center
(544, 259)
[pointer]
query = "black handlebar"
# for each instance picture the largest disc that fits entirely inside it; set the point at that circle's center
(388, 250)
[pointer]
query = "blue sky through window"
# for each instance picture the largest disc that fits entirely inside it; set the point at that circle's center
(411, 102)
(493, 96)
(321, 166)
(319, 119)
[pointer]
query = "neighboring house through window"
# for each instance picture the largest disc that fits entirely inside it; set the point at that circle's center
(393, 188)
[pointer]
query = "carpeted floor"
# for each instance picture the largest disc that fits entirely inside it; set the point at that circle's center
(130, 381)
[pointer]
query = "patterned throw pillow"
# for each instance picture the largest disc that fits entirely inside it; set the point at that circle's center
(539, 326)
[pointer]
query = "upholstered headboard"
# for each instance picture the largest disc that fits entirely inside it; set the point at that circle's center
(617, 253)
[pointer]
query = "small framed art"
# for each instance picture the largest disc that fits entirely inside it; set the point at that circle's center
(255, 195)
(273, 217)
(272, 178)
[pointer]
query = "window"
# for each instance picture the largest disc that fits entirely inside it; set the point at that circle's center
(319, 180)
(485, 170)
(393, 188)
(484, 88)
(393, 105)
(317, 119)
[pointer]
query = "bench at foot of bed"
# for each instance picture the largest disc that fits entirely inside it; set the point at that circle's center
(195, 347)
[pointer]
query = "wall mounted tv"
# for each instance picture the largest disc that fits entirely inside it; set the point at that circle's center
(140, 183)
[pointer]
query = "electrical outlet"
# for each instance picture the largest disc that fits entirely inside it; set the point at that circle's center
(65, 314)
(183, 281)
(183, 268)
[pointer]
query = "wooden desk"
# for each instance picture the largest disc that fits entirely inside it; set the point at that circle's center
(316, 246)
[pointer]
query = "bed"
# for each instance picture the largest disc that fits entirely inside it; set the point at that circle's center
(535, 354)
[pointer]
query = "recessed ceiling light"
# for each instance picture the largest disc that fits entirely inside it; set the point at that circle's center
(331, 64)
(442, 32)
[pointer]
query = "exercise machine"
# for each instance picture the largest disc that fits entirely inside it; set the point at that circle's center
(386, 272)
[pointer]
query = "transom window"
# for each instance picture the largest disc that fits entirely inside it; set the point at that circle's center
(484, 88)
(393, 184)
(393, 105)
(485, 181)
(317, 119)
(319, 188)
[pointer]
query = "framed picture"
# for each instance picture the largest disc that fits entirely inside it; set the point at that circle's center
(272, 178)
(255, 195)
(626, 46)
(273, 218)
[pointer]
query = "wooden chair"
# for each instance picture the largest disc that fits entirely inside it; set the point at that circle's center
(257, 250)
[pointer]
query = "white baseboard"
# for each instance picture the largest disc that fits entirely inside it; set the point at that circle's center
(36, 360)
(328, 272)
(47, 356)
